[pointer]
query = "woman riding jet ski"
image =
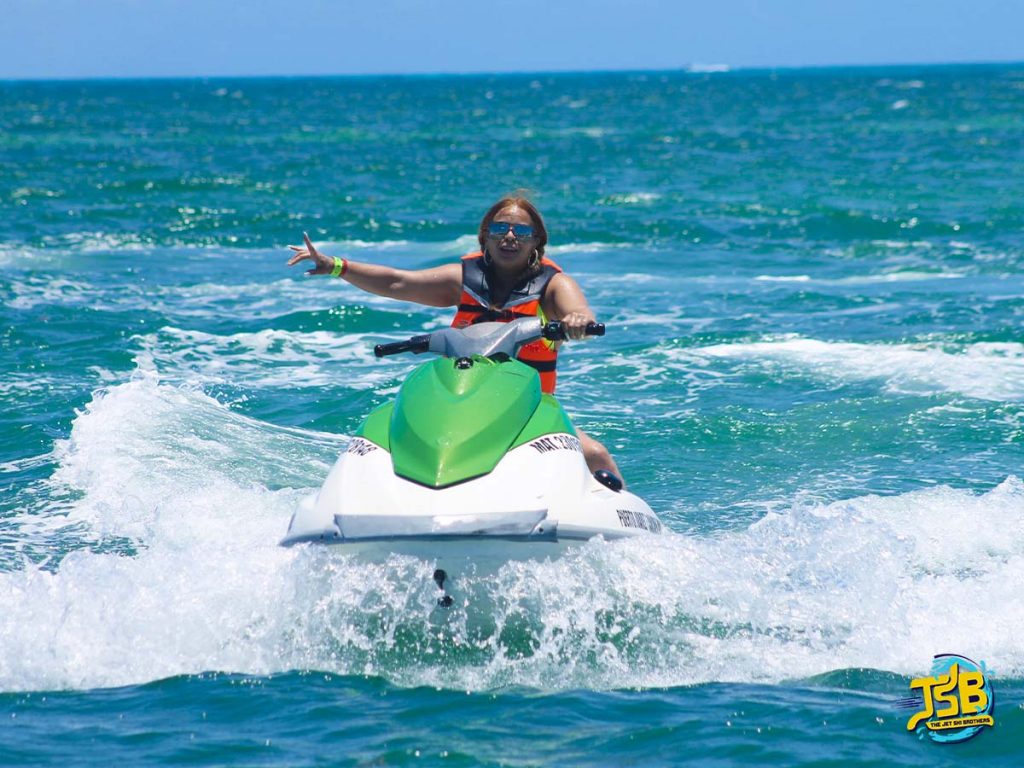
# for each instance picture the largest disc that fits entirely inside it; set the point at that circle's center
(507, 279)
(475, 454)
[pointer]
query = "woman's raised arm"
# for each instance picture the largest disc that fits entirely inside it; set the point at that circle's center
(435, 287)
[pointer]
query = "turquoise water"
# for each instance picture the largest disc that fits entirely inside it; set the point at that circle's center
(814, 371)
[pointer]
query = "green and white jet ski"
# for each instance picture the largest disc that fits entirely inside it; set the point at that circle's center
(471, 463)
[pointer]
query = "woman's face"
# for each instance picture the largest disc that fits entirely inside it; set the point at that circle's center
(509, 250)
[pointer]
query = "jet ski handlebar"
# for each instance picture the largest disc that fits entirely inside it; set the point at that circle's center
(555, 330)
(484, 338)
(416, 345)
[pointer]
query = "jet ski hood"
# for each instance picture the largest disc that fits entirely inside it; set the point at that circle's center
(454, 419)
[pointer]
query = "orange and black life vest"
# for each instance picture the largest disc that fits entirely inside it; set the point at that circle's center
(476, 306)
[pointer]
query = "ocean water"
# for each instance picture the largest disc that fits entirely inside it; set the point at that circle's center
(814, 371)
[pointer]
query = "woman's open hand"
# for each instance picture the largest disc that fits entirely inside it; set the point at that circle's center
(322, 265)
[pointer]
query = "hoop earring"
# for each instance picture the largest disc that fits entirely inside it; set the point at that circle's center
(534, 259)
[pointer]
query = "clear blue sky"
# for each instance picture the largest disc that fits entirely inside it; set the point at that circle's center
(137, 38)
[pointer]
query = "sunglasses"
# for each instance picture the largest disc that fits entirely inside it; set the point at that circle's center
(501, 228)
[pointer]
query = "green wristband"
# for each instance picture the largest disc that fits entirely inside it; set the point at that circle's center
(339, 267)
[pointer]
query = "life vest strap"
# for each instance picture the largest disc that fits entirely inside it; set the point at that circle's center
(486, 314)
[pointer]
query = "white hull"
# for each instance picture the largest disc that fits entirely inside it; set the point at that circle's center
(539, 499)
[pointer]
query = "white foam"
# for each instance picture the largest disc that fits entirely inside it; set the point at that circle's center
(15, 383)
(245, 301)
(630, 198)
(24, 464)
(874, 582)
(984, 370)
(202, 494)
(783, 278)
(459, 246)
(139, 436)
(268, 358)
(94, 242)
(590, 132)
(900, 245)
(901, 276)
(593, 247)
(34, 291)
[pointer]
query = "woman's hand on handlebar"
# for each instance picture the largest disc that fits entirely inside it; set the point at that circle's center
(322, 265)
(575, 324)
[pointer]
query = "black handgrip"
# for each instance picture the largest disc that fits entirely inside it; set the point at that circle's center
(555, 331)
(416, 344)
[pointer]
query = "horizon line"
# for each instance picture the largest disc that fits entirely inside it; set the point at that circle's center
(693, 68)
